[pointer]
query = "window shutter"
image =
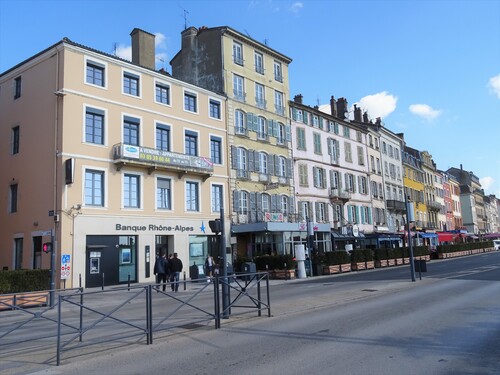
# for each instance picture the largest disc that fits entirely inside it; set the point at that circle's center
(274, 203)
(236, 200)
(330, 146)
(249, 120)
(370, 215)
(323, 178)
(362, 209)
(289, 168)
(255, 123)
(252, 203)
(258, 201)
(349, 214)
(288, 133)
(271, 164)
(316, 209)
(305, 117)
(251, 161)
(360, 189)
(294, 114)
(291, 204)
(357, 213)
(234, 158)
(315, 176)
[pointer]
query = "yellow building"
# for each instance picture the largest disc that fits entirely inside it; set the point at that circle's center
(109, 160)
(414, 185)
(254, 77)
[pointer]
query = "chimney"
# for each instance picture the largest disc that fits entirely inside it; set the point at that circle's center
(188, 37)
(298, 99)
(333, 106)
(143, 48)
(342, 108)
(357, 113)
(365, 117)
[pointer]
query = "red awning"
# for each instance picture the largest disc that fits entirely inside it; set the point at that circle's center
(446, 237)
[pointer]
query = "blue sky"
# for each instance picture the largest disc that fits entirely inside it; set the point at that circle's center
(429, 68)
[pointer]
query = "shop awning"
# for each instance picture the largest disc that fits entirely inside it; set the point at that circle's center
(446, 237)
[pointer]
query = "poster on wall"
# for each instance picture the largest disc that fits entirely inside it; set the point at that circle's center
(196, 250)
(126, 256)
(94, 265)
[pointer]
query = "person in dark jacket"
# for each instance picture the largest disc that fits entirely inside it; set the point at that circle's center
(160, 270)
(175, 269)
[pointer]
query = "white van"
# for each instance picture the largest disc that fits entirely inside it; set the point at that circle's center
(496, 243)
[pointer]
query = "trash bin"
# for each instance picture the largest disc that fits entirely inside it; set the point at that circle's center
(248, 267)
(193, 272)
(420, 265)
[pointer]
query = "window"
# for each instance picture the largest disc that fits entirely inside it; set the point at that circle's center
(321, 212)
(301, 139)
(215, 109)
(216, 198)
(94, 188)
(238, 90)
(13, 198)
(281, 172)
(131, 191)
(239, 122)
(131, 84)
(391, 151)
(384, 148)
(243, 202)
(284, 204)
(363, 184)
(15, 140)
(370, 140)
(334, 179)
(319, 177)
(304, 210)
(317, 143)
(266, 202)
(18, 253)
(95, 74)
(131, 131)
(240, 163)
(278, 73)
(396, 153)
(281, 133)
(259, 62)
(216, 149)
(192, 197)
(238, 53)
(303, 179)
(348, 152)
(262, 133)
(163, 194)
(374, 189)
(162, 94)
(260, 98)
(358, 136)
(372, 163)
(350, 184)
(300, 115)
(191, 143)
(315, 121)
(378, 166)
(190, 102)
(162, 137)
(278, 102)
(361, 156)
(263, 162)
(17, 87)
(94, 126)
(347, 132)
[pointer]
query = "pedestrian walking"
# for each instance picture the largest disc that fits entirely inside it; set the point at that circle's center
(175, 269)
(209, 265)
(160, 270)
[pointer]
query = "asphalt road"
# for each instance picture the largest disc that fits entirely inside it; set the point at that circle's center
(369, 322)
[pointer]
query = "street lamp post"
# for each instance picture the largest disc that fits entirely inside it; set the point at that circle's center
(412, 264)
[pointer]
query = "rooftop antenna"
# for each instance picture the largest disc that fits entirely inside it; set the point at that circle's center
(115, 46)
(185, 18)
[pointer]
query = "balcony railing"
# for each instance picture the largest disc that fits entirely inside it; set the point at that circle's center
(339, 195)
(434, 206)
(152, 159)
(395, 205)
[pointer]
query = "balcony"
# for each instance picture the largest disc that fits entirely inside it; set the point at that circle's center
(434, 206)
(153, 159)
(395, 205)
(338, 195)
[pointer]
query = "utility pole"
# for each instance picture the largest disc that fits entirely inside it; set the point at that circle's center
(225, 283)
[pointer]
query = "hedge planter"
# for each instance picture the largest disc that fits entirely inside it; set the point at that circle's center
(345, 268)
(370, 265)
(282, 274)
(331, 270)
(380, 263)
(358, 266)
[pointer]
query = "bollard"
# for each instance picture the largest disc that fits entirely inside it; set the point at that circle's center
(102, 285)
(80, 280)
(128, 282)
(184, 276)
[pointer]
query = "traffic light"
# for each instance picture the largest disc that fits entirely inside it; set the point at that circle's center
(47, 247)
(215, 226)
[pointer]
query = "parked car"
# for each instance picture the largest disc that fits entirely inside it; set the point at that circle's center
(496, 243)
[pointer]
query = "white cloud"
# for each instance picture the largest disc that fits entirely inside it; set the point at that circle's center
(296, 7)
(494, 85)
(486, 182)
(160, 41)
(381, 104)
(425, 111)
(124, 52)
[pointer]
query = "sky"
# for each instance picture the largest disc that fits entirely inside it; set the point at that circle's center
(429, 68)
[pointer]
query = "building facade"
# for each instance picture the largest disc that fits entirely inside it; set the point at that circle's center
(254, 77)
(111, 161)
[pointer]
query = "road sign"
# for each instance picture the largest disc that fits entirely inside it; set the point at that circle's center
(65, 266)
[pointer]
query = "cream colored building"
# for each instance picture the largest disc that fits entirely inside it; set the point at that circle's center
(112, 160)
(254, 77)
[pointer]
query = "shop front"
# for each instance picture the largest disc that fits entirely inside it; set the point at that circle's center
(112, 251)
